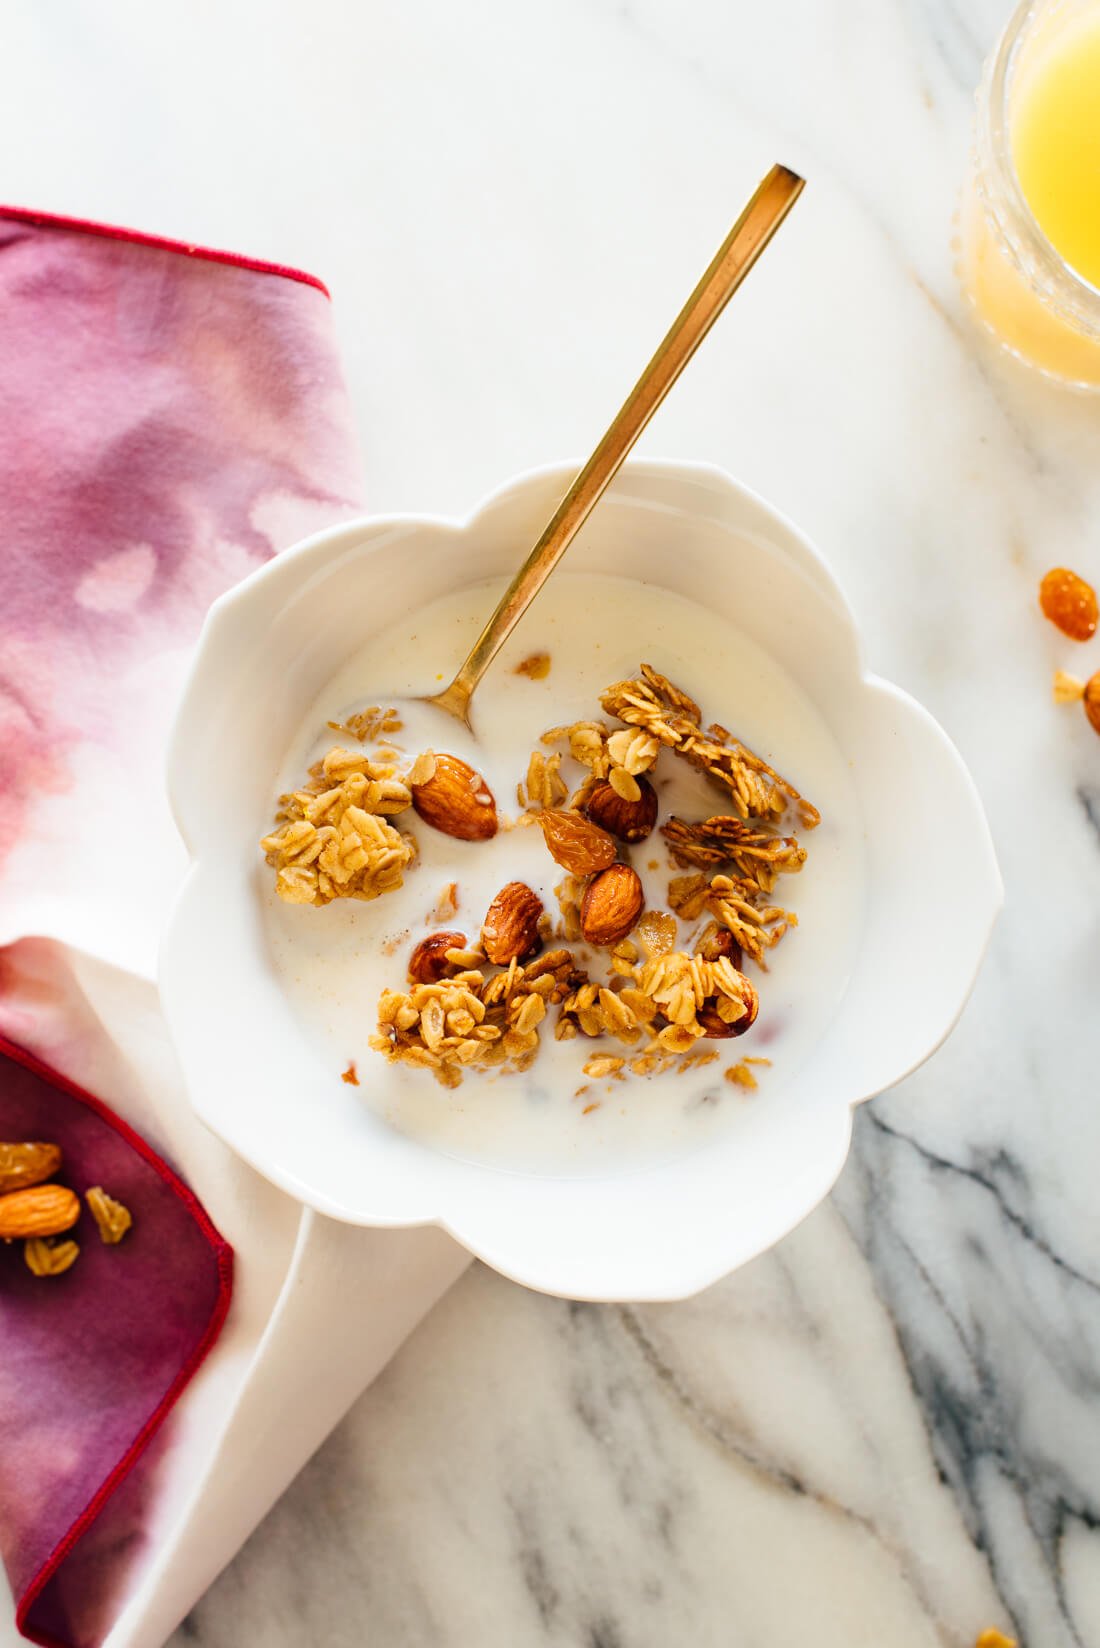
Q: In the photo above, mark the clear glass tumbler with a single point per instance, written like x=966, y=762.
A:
x=1021, y=289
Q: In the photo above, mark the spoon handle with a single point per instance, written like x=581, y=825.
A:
x=753, y=230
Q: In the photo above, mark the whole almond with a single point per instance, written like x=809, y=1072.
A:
x=575, y=843
x=511, y=929
x=629, y=820
x=456, y=800
x=428, y=962
x=23, y=1165
x=44, y=1210
x=611, y=905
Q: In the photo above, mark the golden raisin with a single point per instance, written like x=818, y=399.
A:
x=1092, y=701
x=1069, y=603
x=575, y=843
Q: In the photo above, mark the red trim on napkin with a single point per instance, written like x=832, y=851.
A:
x=111, y=231
x=223, y=1258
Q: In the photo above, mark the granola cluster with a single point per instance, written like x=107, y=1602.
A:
x=757, y=854
x=334, y=839
x=471, y=1017
x=1069, y=690
x=620, y=756
x=738, y=905
x=45, y=1257
x=667, y=993
x=370, y=726
x=669, y=716
x=112, y=1218
x=663, y=1006
x=568, y=892
x=673, y=1000
x=660, y=1005
x=544, y=787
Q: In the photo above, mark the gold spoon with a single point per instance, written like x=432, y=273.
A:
x=731, y=263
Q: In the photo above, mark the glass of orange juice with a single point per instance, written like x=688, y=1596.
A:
x=1030, y=217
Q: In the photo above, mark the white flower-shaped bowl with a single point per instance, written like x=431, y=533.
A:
x=267, y=651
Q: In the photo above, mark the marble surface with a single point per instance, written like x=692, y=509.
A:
x=888, y=1429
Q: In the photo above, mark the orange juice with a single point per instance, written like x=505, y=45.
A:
x=1056, y=139
x=1031, y=219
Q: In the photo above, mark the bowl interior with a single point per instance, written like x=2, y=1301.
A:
x=254, y=1074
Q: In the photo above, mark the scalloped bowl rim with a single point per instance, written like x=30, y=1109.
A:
x=687, y=1275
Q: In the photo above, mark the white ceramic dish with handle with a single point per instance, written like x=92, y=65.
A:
x=255, y=1078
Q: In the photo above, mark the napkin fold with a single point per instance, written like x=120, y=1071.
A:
x=169, y=418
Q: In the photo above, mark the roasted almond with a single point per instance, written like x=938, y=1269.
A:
x=456, y=800
x=511, y=928
x=44, y=1210
x=575, y=843
x=428, y=962
x=629, y=820
x=612, y=903
x=23, y=1165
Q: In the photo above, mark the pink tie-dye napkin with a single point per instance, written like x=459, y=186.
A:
x=169, y=418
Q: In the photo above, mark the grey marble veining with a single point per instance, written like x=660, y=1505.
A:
x=888, y=1429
